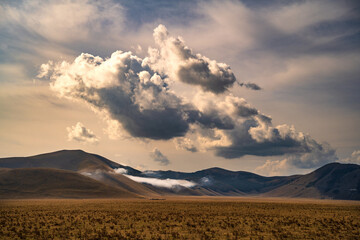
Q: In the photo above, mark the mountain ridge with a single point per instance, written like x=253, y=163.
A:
x=334, y=180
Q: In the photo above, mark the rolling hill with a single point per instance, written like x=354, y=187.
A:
x=54, y=183
x=77, y=174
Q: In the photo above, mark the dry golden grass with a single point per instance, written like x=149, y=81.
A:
x=188, y=218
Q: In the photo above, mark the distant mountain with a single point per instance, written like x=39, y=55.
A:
x=54, y=183
x=334, y=180
x=225, y=182
x=77, y=174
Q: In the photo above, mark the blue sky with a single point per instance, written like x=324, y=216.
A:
x=189, y=107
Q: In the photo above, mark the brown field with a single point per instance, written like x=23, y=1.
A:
x=179, y=218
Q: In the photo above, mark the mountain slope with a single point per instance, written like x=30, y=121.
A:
x=53, y=183
x=74, y=160
x=90, y=165
x=118, y=180
x=334, y=180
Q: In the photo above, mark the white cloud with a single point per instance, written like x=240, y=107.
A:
x=175, y=59
x=164, y=183
x=120, y=170
x=81, y=134
x=118, y=88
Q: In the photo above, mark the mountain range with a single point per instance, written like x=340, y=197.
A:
x=78, y=174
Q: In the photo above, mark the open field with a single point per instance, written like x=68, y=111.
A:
x=179, y=218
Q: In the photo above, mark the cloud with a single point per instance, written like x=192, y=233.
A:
x=354, y=158
x=120, y=170
x=254, y=134
x=252, y=86
x=319, y=155
x=185, y=144
x=81, y=134
x=34, y=31
x=257, y=136
x=64, y=21
x=177, y=60
x=315, y=155
x=206, y=181
x=139, y=96
x=292, y=18
x=273, y=168
x=164, y=183
x=157, y=156
x=121, y=88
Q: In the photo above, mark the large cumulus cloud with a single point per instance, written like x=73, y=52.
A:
x=254, y=134
x=135, y=96
x=138, y=95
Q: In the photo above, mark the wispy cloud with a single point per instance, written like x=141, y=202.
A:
x=56, y=29
x=164, y=183
x=157, y=182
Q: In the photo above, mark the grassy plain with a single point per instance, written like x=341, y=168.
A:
x=179, y=218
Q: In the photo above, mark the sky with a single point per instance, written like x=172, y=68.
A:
x=270, y=87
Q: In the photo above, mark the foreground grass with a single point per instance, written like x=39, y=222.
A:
x=177, y=219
